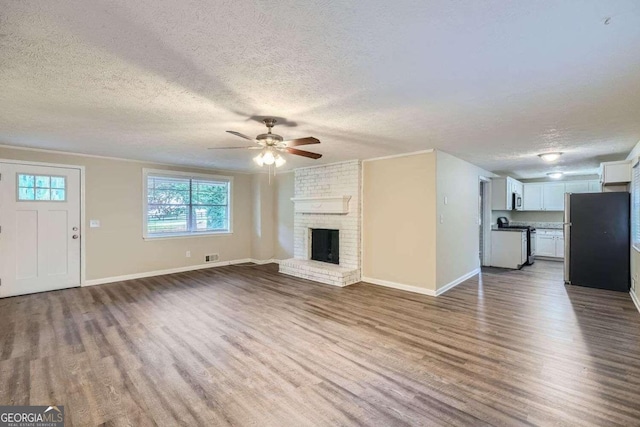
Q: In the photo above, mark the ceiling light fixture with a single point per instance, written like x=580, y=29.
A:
x=555, y=175
x=550, y=157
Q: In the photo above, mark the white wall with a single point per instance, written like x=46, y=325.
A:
x=457, y=224
x=535, y=216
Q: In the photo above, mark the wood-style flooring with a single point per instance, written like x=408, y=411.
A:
x=245, y=345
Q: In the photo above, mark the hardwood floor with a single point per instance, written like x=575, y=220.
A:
x=244, y=345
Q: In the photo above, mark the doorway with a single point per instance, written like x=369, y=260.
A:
x=40, y=218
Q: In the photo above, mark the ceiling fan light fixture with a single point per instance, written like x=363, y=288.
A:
x=259, y=159
x=280, y=161
x=268, y=158
x=550, y=157
x=555, y=175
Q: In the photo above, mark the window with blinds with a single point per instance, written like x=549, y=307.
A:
x=177, y=204
x=635, y=207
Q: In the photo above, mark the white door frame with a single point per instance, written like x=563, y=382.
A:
x=83, y=257
x=486, y=225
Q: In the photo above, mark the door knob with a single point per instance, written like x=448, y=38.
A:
x=75, y=236
x=75, y=228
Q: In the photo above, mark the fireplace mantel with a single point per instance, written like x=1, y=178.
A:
x=322, y=205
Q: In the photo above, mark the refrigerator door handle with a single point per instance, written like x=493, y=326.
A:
x=566, y=226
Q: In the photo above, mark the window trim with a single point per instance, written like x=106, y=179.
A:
x=178, y=174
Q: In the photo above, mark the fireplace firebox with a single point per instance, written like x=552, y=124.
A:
x=325, y=245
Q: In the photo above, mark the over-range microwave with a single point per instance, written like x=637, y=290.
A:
x=516, y=202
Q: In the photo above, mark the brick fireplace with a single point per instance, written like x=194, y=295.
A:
x=327, y=198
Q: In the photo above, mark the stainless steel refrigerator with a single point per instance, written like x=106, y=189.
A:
x=597, y=240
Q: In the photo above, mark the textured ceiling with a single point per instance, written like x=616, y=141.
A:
x=492, y=82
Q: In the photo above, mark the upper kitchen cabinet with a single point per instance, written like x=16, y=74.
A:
x=576, y=187
x=533, y=196
x=549, y=196
x=590, y=186
x=553, y=196
x=615, y=173
x=502, y=190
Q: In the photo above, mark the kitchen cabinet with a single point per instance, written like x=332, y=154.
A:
x=615, y=173
x=532, y=196
x=553, y=196
x=545, y=246
x=508, y=248
x=559, y=247
x=576, y=187
x=517, y=187
x=550, y=243
x=549, y=196
x=502, y=190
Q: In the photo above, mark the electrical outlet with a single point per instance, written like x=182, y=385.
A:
x=188, y=254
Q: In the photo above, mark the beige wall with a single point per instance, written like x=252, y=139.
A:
x=399, y=221
x=283, y=242
x=263, y=212
x=457, y=221
x=114, y=196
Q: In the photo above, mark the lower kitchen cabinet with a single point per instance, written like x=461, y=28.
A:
x=508, y=248
x=546, y=246
x=550, y=243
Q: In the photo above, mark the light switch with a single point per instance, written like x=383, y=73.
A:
x=94, y=223
x=446, y=200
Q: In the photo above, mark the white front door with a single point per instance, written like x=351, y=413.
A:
x=40, y=234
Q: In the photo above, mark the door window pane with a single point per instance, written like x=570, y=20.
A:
x=43, y=181
x=43, y=194
x=58, y=195
x=41, y=188
x=58, y=182
x=26, y=194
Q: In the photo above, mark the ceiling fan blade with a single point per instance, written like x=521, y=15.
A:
x=302, y=153
x=240, y=135
x=301, y=141
x=251, y=147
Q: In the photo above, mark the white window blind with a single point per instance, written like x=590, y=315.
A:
x=635, y=207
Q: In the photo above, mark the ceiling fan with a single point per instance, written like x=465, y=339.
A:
x=272, y=145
